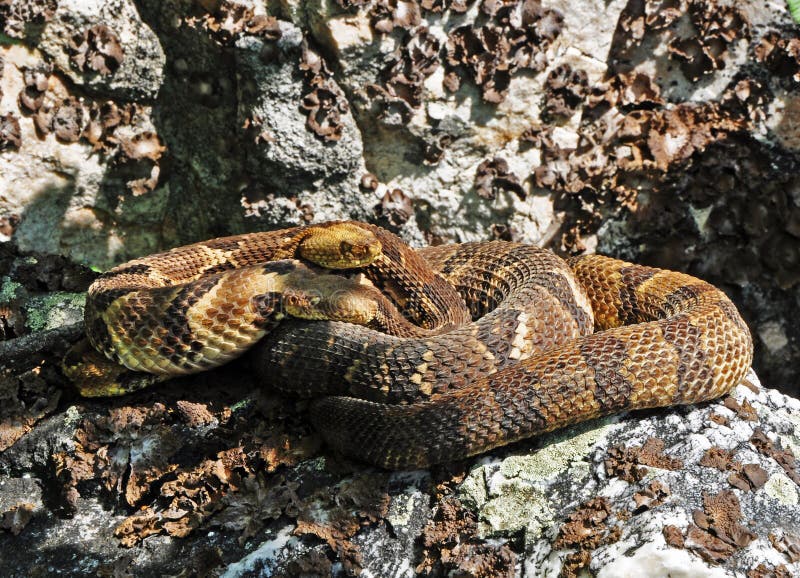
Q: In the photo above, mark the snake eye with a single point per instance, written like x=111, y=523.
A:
x=354, y=251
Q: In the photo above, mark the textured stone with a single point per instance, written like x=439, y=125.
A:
x=665, y=135
x=618, y=122
x=549, y=503
x=140, y=72
x=56, y=195
x=285, y=156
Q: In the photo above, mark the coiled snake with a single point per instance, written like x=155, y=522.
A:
x=510, y=341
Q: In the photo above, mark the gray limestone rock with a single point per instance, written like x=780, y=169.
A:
x=301, y=141
x=663, y=136
x=104, y=46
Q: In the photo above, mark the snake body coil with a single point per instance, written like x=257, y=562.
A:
x=506, y=350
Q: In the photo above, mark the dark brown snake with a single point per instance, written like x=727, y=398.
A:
x=528, y=363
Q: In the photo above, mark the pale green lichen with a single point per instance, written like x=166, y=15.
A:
x=54, y=310
x=782, y=489
x=473, y=492
x=9, y=290
x=242, y=404
x=72, y=416
x=506, y=496
x=401, y=510
x=318, y=464
x=564, y=449
x=518, y=506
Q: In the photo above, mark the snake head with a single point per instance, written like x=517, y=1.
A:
x=340, y=245
x=331, y=298
x=302, y=304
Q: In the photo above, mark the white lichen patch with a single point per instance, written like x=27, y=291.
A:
x=263, y=556
x=402, y=509
x=517, y=506
x=782, y=489
x=473, y=491
x=695, y=445
x=615, y=488
x=653, y=559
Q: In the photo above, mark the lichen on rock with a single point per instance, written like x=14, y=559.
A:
x=661, y=133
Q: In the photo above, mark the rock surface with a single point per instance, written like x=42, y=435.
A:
x=110, y=50
x=698, y=492
x=213, y=474
x=665, y=136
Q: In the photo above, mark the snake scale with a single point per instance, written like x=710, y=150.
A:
x=510, y=341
